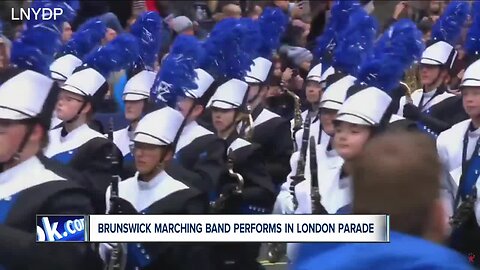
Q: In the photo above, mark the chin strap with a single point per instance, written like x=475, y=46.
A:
x=78, y=113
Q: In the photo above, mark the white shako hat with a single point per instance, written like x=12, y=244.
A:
x=315, y=74
x=471, y=76
x=204, y=80
x=229, y=95
x=138, y=87
x=366, y=107
x=439, y=54
x=323, y=79
x=23, y=96
x=259, y=70
x=159, y=127
x=335, y=94
x=63, y=67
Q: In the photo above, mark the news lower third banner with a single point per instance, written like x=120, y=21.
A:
x=214, y=228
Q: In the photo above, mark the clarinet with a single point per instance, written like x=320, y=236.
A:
x=315, y=197
x=219, y=204
x=118, y=255
x=464, y=210
x=277, y=250
x=300, y=173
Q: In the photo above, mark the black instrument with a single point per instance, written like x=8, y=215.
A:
x=317, y=207
x=300, y=173
x=118, y=255
x=277, y=250
x=464, y=210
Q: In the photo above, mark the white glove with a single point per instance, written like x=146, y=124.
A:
x=284, y=203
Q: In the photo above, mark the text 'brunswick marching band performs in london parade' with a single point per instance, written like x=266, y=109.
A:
x=255, y=109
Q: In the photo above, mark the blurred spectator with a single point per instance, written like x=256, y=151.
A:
x=425, y=25
x=398, y=166
x=318, y=14
x=111, y=21
x=255, y=12
x=279, y=101
x=4, y=52
x=297, y=58
x=9, y=26
x=181, y=25
x=232, y=11
x=138, y=7
x=89, y=9
x=67, y=32
x=435, y=9
x=109, y=36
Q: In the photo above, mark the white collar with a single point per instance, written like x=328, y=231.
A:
x=189, y=127
x=159, y=178
x=12, y=173
x=27, y=174
x=73, y=133
x=473, y=134
x=429, y=94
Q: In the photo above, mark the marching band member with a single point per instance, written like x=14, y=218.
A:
x=295, y=196
x=27, y=185
x=197, y=149
x=356, y=123
x=344, y=60
x=313, y=94
x=458, y=148
x=75, y=144
x=252, y=190
x=436, y=62
x=158, y=187
x=88, y=36
x=136, y=92
x=270, y=131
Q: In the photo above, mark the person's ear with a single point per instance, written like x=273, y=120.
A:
x=168, y=154
x=197, y=110
x=37, y=134
x=87, y=108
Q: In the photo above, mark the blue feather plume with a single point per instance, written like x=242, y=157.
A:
x=472, y=43
x=383, y=72
x=147, y=29
x=449, y=25
x=396, y=51
x=403, y=40
x=177, y=74
x=272, y=24
x=355, y=42
x=85, y=38
x=340, y=13
x=253, y=37
x=35, y=49
x=325, y=43
x=119, y=54
x=224, y=54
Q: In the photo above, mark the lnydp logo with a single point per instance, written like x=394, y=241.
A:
x=44, y=14
x=60, y=228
